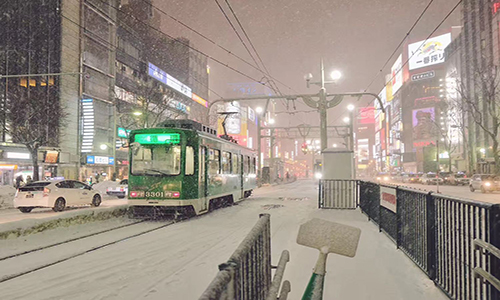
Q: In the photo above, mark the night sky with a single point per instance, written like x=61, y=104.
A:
x=291, y=36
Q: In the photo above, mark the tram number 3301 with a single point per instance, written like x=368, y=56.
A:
x=162, y=194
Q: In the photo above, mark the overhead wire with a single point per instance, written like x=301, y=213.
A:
x=213, y=42
x=116, y=48
x=272, y=84
x=183, y=43
x=400, y=43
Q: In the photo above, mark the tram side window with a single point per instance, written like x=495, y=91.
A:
x=214, y=162
x=226, y=162
x=189, y=160
x=253, y=165
x=249, y=165
x=245, y=164
x=236, y=164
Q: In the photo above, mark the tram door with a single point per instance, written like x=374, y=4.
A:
x=203, y=177
x=242, y=173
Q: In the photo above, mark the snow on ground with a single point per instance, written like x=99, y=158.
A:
x=14, y=215
x=42, y=239
x=179, y=261
x=7, y=193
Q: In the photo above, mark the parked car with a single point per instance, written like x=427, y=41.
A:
x=485, y=183
x=383, y=177
x=411, y=178
x=120, y=191
x=55, y=194
x=447, y=177
x=461, y=179
x=431, y=178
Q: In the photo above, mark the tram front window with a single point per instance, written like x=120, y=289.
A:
x=156, y=160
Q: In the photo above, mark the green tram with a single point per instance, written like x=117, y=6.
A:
x=181, y=166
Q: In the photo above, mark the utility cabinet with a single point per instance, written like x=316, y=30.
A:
x=338, y=163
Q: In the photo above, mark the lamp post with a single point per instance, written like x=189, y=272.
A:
x=322, y=104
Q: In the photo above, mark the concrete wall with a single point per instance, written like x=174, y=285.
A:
x=70, y=85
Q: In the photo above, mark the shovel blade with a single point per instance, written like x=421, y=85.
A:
x=329, y=237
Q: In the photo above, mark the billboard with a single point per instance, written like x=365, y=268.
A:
x=429, y=52
x=397, y=74
x=423, y=123
x=366, y=115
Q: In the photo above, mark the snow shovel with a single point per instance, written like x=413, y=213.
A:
x=327, y=237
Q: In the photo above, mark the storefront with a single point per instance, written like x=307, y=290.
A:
x=97, y=168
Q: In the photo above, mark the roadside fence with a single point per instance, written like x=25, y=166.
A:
x=454, y=241
x=247, y=273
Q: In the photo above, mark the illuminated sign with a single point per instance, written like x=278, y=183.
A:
x=429, y=52
x=397, y=74
x=422, y=76
x=200, y=100
x=18, y=155
x=251, y=114
x=87, y=125
x=157, y=138
x=100, y=160
x=169, y=80
x=51, y=157
x=122, y=132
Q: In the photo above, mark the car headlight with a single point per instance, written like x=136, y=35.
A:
x=487, y=183
x=378, y=178
x=386, y=178
x=318, y=175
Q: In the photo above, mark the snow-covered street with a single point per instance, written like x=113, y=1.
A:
x=180, y=260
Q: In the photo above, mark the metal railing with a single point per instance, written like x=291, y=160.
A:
x=437, y=232
x=338, y=194
x=247, y=273
x=488, y=249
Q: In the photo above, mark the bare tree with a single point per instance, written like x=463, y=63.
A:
x=33, y=116
x=155, y=105
x=482, y=102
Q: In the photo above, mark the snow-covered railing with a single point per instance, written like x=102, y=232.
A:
x=437, y=233
x=247, y=273
x=488, y=249
x=338, y=194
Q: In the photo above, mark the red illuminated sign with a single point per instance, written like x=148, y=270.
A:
x=366, y=115
x=496, y=7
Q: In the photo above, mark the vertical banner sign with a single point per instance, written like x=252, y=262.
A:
x=388, y=198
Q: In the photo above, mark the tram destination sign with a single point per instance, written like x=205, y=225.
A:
x=157, y=138
x=423, y=76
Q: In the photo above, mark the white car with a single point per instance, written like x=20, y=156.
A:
x=120, y=191
x=55, y=194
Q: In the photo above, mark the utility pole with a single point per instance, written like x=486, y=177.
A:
x=335, y=99
x=322, y=110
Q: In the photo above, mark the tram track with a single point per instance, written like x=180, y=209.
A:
x=13, y=275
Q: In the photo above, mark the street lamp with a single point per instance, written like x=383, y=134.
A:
x=336, y=75
x=322, y=104
x=259, y=110
x=347, y=119
x=271, y=121
x=350, y=107
x=334, y=145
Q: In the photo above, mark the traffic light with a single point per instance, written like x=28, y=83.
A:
x=304, y=148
